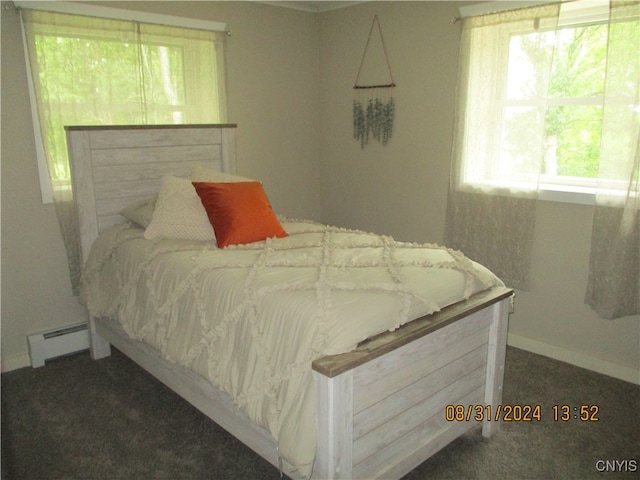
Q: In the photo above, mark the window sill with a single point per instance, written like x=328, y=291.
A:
x=581, y=196
x=547, y=191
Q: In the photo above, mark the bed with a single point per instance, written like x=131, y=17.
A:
x=379, y=406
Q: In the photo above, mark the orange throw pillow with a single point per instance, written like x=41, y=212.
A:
x=239, y=212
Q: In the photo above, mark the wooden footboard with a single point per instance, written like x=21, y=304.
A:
x=380, y=409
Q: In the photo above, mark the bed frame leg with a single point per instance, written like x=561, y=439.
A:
x=99, y=347
x=495, y=363
x=334, y=417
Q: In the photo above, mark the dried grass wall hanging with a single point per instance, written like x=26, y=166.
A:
x=373, y=105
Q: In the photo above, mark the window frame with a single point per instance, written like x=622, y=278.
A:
x=94, y=11
x=581, y=190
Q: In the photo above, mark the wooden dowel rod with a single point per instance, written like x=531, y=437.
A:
x=358, y=87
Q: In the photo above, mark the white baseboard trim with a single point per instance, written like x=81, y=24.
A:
x=621, y=372
x=15, y=362
x=575, y=358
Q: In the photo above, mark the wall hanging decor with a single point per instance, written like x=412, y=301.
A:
x=373, y=104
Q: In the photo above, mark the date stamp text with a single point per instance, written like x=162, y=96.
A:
x=520, y=413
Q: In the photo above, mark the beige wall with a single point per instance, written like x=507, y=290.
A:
x=290, y=75
x=36, y=292
x=401, y=189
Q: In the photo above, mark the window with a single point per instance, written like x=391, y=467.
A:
x=96, y=71
x=549, y=108
x=535, y=103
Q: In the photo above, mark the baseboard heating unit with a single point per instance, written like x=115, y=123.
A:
x=57, y=343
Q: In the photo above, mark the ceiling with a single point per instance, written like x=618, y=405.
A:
x=316, y=6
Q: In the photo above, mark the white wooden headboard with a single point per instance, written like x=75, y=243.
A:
x=114, y=166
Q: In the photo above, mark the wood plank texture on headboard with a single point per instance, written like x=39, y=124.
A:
x=114, y=166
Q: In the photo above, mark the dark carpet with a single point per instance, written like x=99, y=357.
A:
x=77, y=418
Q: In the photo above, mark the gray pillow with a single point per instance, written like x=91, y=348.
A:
x=140, y=212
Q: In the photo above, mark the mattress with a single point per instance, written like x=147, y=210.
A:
x=252, y=318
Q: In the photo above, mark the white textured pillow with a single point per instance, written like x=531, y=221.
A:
x=179, y=213
x=204, y=174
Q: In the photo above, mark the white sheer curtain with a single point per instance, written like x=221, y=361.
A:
x=613, y=289
x=94, y=71
x=499, y=139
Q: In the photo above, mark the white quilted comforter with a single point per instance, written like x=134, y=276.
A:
x=252, y=318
